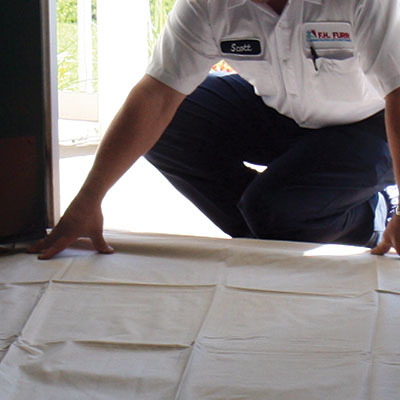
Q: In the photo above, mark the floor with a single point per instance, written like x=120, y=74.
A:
x=141, y=201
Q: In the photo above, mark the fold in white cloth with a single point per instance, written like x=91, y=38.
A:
x=170, y=317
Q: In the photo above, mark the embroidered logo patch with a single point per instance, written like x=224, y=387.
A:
x=241, y=47
x=325, y=35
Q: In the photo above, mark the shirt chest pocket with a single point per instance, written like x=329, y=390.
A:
x=336, y=77
x=332, y=65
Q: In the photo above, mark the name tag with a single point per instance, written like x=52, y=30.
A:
x=243, y=47
x=328, y=35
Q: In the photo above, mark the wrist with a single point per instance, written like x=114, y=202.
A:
x=87, y=199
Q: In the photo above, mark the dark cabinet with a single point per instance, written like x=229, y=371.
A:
x=23, y=113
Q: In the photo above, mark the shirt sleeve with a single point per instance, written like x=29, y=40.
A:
x=377, y=31
x=186, y=50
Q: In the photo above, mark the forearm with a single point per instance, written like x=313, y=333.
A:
x=392, y=115
x=391, y=237
x=135, y=129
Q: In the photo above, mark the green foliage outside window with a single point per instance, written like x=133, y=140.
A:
x=67, y=45
x=159, y=10
x=67, y=11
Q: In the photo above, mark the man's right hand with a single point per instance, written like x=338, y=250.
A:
x=138, y=125
x=80, y=220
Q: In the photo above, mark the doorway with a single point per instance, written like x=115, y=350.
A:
x=91, y=88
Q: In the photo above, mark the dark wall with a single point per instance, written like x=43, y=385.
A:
x=22, y=122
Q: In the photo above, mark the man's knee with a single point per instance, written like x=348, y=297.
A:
x=287, y=214
x=268, y=216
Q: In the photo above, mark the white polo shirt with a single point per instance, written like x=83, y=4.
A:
x=321, y=63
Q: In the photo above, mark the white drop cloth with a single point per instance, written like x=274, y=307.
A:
x=185, y=318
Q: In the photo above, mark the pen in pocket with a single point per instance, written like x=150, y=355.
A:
x=314, y=56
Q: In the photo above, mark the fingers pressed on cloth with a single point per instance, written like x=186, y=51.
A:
x=382, y=248
x=101, y=245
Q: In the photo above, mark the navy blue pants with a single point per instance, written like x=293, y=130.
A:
x=320, y=185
